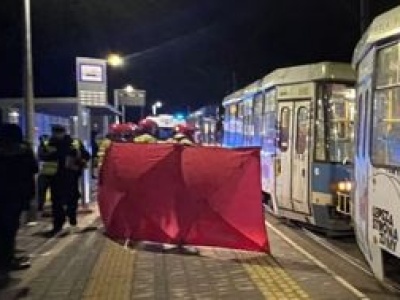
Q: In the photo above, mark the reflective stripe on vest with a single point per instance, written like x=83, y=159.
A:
x=49, y=168
x=76, y=144
x=145, y=138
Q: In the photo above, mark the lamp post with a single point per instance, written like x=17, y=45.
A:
x=117, y=104
x=115, y=61
x=28, y=72
x=128, y=90
x=156, y=105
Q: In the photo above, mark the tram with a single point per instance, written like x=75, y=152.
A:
x=206, y=121
x=302, y=118
x=377, y=152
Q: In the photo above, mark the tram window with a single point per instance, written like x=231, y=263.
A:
x=269, y=122
x=232, y=111
x=388, y=71
x=339, y=111
x=366, y=121
x=240, y=116
x=248, y=117
x=302, y=130
x=320, y=145
x=270, y=131
x=360, y=104
x=386, y=117
x=284, y=129
x=258, y=105
x=386, y=129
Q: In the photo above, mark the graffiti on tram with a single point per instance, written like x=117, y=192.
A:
x=383, y=222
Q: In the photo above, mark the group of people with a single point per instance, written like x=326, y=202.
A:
x=147, y=131
x=62, y=161
x=59, y=162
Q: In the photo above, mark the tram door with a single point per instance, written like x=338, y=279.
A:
x=284, y=160
x=300, y=157
x=292, y=179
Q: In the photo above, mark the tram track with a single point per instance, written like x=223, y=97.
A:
x=361, y=265
x=338, y=256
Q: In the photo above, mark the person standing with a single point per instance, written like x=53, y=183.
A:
x=147, y=132
x=45, y=175
x=66, y=158
x=184, y=134
x=18, y=167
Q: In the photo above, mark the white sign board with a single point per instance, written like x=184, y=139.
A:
x=91, y=73
x=91, y=81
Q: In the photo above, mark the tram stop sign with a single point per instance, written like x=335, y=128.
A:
x=131, y=98
x=91, y=81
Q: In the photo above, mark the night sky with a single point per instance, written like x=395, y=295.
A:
x=186, y=53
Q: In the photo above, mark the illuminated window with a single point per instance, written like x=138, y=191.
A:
x=302, y=130
x=284, y=129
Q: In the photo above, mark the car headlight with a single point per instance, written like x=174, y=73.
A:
x=344, y=186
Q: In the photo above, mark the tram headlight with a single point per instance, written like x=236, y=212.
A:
x=344, y=186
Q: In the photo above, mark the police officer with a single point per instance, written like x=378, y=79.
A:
x=44, y=178
x=64, y=159
x=147, y=132
x=17, y=169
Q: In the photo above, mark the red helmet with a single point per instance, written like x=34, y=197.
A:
x=113, y=129
x=147, y=124
x=185, y=129
x=122, y=128
x=130, y=127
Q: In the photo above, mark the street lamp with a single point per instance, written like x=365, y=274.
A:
x=115, y=60
x=156, y=105
x=129, y=89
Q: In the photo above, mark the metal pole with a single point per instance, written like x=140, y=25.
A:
x=29, y=107
x=123, y=114
x=116, y=105
x=29, y=96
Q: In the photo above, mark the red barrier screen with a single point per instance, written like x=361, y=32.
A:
x=191, y=195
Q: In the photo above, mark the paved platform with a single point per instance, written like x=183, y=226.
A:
x=88, y=265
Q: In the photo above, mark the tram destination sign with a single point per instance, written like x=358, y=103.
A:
x=91, y=81
x=295, y=91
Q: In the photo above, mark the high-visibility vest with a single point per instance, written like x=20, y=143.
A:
x=182, y=139
x=104, y=145
x=186, y=142
x=50, y=168
x=145, y=138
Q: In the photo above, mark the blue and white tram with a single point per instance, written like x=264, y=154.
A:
x=302, y=118
x=377, y=152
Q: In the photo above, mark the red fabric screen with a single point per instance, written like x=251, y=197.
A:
x=192, y=195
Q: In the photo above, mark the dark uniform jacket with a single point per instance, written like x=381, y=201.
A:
x=17, y=169
x=70, y=155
